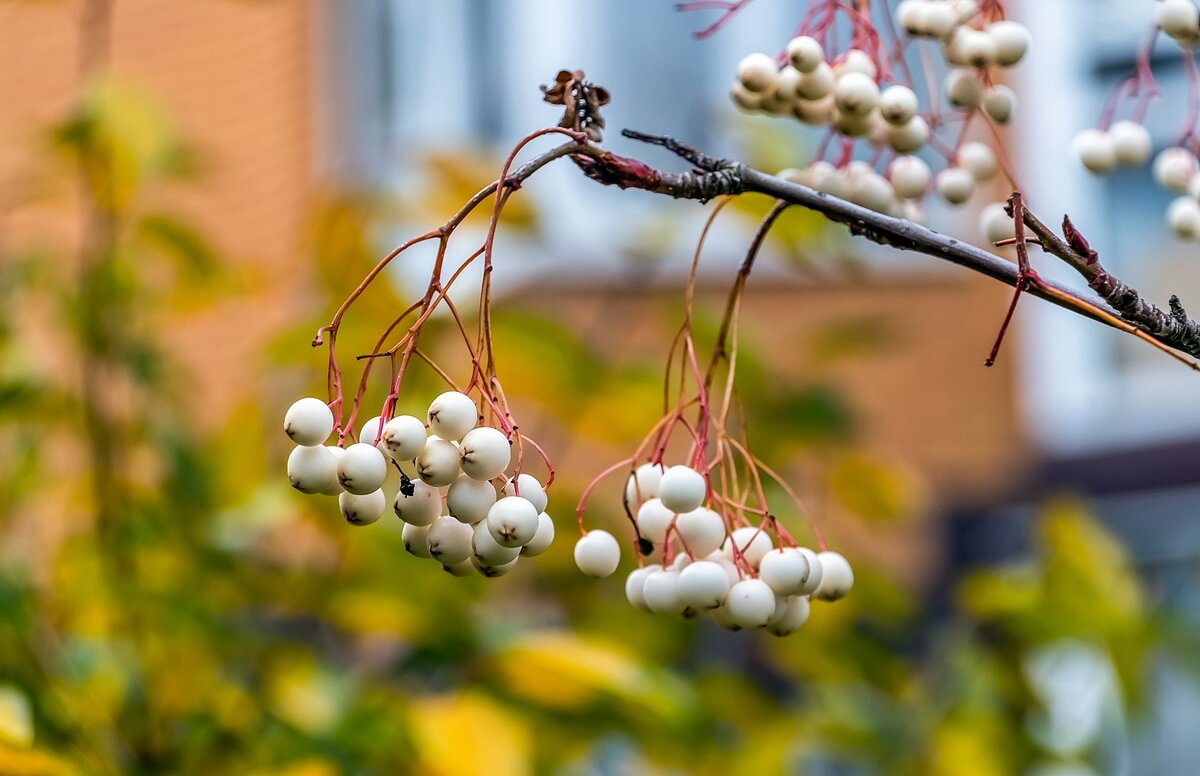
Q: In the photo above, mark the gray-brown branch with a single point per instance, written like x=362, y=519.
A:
x=716, y=177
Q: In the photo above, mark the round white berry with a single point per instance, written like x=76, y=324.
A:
x=856, y=94
x=469, y=500
x=857, y=61
x=752, y=545
x=652, y=521
x=308, y=422
x=635, y=585
x=826, y=178
x=702, y=531
x=703, y=585
x=722, y=617
x=910, y=137
x=785, y=89
x=682, y=489
x=965, y=10
x=421, y=505
x=597, y=553
x=643, y=483
x=940, y=20
x=1178, y=18
x=362, y=510
x=452, y=415
x=312, y=469
x=404, y=437
x=912, y=15
x=493, y=570
x=1174, y=169
x=814, y=112
x=851, y=125
x=817, y=84
x=543, y=537
x=995, y=223
x=362, y=469
x=439, y=463
x=1011, y=40
x=974, y=48
x=485, y=453
x=785, y=570
x=1183, y=216
x=1095, y=149
x=746, y=100
x=793, y=617
x=910, y=176
x=751, y=603
x=450, y=540
x=836, y=579
x=815, y=571
x=513, y=521
x=369, y=433
x=416, y=540
x=756, y=72
x=488, y=550
x=805, y=53
x=963, y=88
x=873, y=191
x=660, y=591
x=335, y=487
x=1131, y=142
x=527, y=487
x=898, y=104
x=1000, y=103
x=979, y=160
x=955, y=185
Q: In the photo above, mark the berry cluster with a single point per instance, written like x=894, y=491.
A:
x=867, y=93
x=742, y=576
x=447, y=497
x=1127, y=143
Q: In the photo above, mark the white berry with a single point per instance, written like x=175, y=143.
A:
x=910, y=137
x=756, y=72
x=464, y=568
x=1178, y=18
x=1000, y=103
x=682, y=489
x=955, y=185
x=898, y=104
x=543, y=537
x=815, y=571
x=404, y=437
x=485, y=453
x=1011, y=40
x=702, y=531
x=1095, y=149
x=912, y=16
x=873, y=191
x=528, y=488
x=703, y=585
x=995, y=223
x=653, y=519
x=335, y=487
x=452, y=415
x=785, y=570
x=643, y=483
x=597, y=553
x=940, y=20
x=1183, y=216
x=362, y=469
x=836, y=579
x=745, y=99
x=493, y=570
x=1131, y=142
x=308, y=422
x=979, y=160
x=805, y=53
x=857, y=61
x=751, y=603
x=488, y=550
x=752, y=545
x=856, y=94
x=660, y=590
x=963, y=88
x=794, y=615
x=817, y=84
x=450, y=540
x=362, y=510
x=312, y=469
x=469, y=500
x=439, y=463
x=513, y=521
x=910, y=176
x=422, y=507
x=635, y=585
x=416, y=540
x=1174, y=169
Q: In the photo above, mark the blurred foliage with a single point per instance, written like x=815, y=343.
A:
x=168, y=605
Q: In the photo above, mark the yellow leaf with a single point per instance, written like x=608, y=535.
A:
x=469, y=735
x=874, y=489
x=16, y=718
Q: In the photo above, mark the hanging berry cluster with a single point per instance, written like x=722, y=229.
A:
x=866, y=96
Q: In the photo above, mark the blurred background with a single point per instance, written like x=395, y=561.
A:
x=188, y=190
